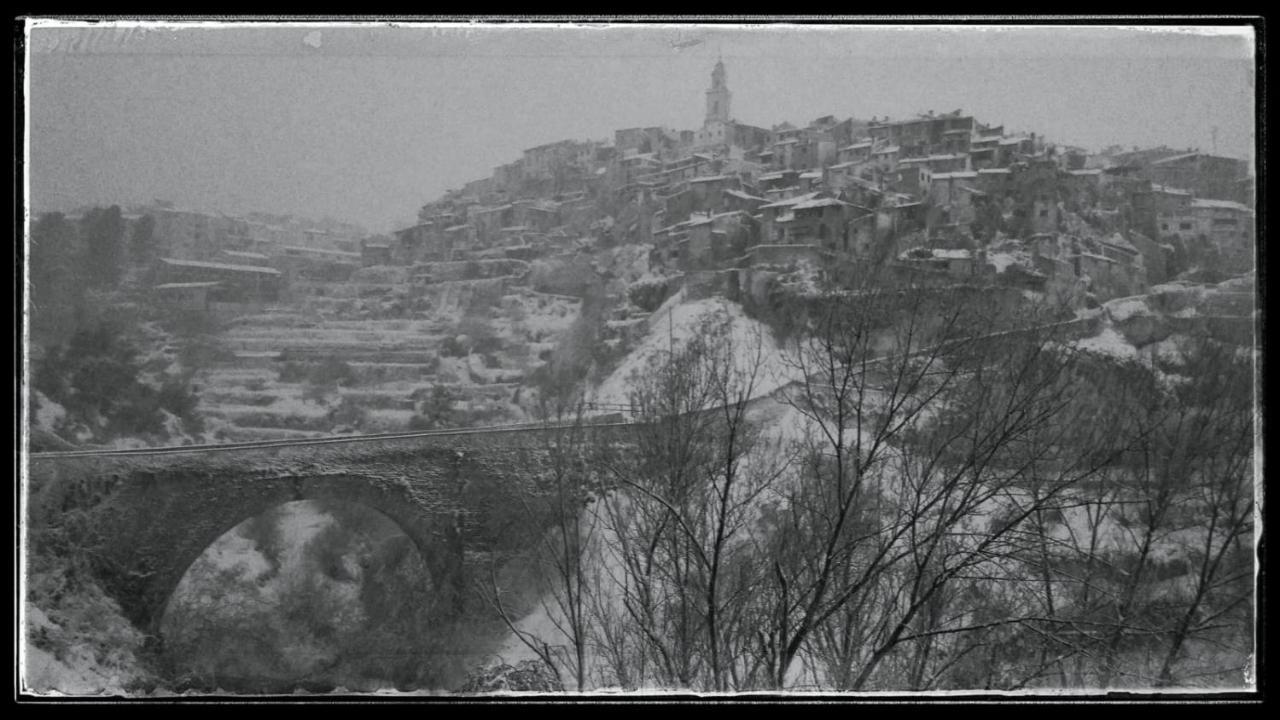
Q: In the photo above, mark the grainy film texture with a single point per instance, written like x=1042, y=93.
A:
x=469, y=359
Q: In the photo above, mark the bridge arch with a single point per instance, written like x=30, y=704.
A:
x=154, y=535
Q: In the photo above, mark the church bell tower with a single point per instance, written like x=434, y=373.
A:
x=718, y=96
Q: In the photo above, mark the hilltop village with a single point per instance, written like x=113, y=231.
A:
x=559, y=258
x=940, y=195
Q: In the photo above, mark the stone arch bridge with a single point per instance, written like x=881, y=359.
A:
x=145, y=516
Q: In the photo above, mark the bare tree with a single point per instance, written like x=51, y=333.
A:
x=682, y=520
x=1211, y=433
x=1140, y=554
x=561, y=528
x=926, y=430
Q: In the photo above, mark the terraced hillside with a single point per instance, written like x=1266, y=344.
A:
x=382, y=353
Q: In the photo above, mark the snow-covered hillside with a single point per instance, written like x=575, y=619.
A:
x=675, y=322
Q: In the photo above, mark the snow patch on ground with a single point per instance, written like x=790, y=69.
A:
x=76, y=673
x=1001, y=261
x=674, y=324
x=1125, y=308
x=1169, y=349
x=1109, y=342
x=49, y=413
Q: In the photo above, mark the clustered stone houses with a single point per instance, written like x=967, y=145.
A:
x=940, y=195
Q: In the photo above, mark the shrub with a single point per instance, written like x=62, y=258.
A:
x=177, y=398
x=96, y=378
x=292, y=372
x=529, y=675
x=330, y=372
x=349, y=413
x=487, y=344
x=333, y=371
x=434, y=408
x=649, y=294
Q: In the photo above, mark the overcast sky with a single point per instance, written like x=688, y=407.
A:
x=367, y=122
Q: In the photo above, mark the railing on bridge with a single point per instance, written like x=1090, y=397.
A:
x=612, y=420
x=620, y=408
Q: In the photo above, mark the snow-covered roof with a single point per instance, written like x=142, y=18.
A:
x=1220, y=204
x=1175, y=158
x=1094, y=171
x=744, y=196
x=1011, y=141
x=959, y=175
x=886, y=150
x=187, y=285
x=1096, y=256
x=1164, y=189
x=935, y=254
x=813, y=175
x=219, y=266
x=788, y=202
x=463, y=226
x=1118, y=241
x=320, y=251
x=856, y=146
x=818, y=203
x=865, y=184
x=245, y=255
x=994, y=171
x=1002, y=260
x=708, y=178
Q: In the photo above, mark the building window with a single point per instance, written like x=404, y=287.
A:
x=1184, y=226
